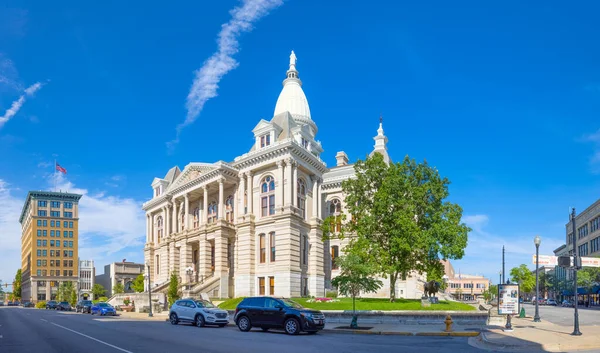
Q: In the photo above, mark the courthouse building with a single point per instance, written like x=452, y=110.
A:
x=251, y=226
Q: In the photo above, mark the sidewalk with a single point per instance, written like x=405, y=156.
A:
x=373, y=329
x=529, y=336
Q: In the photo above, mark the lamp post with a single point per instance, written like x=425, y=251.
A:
x=149, y=289
x=500, y=277
x=576, y=331
x=537, y=241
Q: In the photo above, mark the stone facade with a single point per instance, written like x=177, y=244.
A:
x=119, y=272
x=588, y=232
x=252, y=226
x=86, y=281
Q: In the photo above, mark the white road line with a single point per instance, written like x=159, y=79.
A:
x=92, y=338
x=44, y=320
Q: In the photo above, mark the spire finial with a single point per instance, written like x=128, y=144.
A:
x=380, y=119
x=292, y=60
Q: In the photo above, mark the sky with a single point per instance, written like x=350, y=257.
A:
x=502, y=97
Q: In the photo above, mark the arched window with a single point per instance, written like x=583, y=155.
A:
x=229, y=208
x=335, y=210
x=159, y=227
x=212, y=212
x=267, y=190
x=302, y=197
x=196, y=217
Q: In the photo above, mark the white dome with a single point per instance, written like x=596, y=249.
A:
x=292, y=99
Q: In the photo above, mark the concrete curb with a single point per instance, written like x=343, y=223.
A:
x=549, y=347
x=404, y=333
x=449, y=334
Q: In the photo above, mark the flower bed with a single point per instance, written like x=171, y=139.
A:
x=322, y=300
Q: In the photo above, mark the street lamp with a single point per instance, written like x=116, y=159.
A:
x=149, y=289
x=537, y=241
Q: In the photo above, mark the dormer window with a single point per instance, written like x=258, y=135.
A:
x=157, y=191
x=265, y=140
x=305, y=143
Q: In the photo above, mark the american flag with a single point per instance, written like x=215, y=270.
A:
x=61, y=169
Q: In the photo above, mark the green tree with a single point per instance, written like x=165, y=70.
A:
x=98, y=290
x=17, y=285
x=66, y=293
x=173, y=292
x=355, y=276
x=437, y=274
x=138, y=284
x=523, y=276
x=118, y=288
x=401, y=212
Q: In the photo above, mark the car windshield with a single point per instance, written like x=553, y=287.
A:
x=104, y=305
x=64, y=303
x=205, y=304
x=52, y=302
x=291, y=304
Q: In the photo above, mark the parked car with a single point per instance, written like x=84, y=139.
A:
x=1, y=303
x=52, y=304
x=197, y=312
x=28, y=305
x=277, y=313
x=84, y=306
x=567, y=303
x=63, y=306
x=102, y=309
x=551, y=302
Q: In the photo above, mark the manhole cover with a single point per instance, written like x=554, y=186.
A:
x=350, y=328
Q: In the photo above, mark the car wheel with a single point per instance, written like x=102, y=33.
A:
x=265, y=329
x=173, y=319
x=292, y=327
x=199, y=320
x=244, y=324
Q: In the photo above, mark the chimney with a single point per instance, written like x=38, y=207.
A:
x=341, y=158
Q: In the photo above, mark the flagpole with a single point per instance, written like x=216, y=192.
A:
x=55, y=175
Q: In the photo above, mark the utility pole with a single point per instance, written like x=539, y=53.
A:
x=503, y=277
x=576, y=331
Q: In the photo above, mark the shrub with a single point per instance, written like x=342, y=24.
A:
x=102, y=299
x=40, y=305
x=126, y=301
x=331, y=294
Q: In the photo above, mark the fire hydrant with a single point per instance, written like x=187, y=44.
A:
x=448, y=323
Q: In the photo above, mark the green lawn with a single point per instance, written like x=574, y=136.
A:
x=367, y=304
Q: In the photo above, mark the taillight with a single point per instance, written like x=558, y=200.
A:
x=236, y=310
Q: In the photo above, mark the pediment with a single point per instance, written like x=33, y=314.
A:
x=261, y=125
x=191, y=172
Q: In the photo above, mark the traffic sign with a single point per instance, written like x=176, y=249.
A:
x=548, y=260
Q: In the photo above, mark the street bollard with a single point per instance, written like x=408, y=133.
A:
x=522, y=313
x=448, y=323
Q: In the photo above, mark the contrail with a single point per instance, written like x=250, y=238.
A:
x=16, y=105
x=207, y=79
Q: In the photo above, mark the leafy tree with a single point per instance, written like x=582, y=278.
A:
x=118, y=288
x=17, y=285
x=98, y=290
x=524, y=277
x=355, y=276
x=138, y=284
x=66, y=293
x=437, y=274
x=173, y=292
x=400, y=212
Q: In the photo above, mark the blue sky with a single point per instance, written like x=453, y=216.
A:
x=503, y=99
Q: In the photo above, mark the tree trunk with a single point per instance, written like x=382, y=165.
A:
x=393, y=279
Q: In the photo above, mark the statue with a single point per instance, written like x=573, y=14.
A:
x=431, y=288
x=292, y=59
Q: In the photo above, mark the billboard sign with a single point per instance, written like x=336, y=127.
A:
x=508, y=299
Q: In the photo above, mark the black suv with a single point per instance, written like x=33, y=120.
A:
x=63, y=306
x=85, y=306
x=52, y=304
x=268, y=312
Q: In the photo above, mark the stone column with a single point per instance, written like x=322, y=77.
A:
x=204, y=258
x=186, y=220
x=242, y=193
x=154, y=235
x=250, y=192
x=221, y=200
x=185, y=260
x=205, y=209
x=236, y=203
x=289, y=166
x=295, y=186
x=280, y=193
x=174, y=215
x=148, y=229
x=164, y=217
x=315, y=196
x=167, y=222
x=221, y=265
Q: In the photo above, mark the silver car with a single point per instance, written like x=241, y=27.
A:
x=197, y=312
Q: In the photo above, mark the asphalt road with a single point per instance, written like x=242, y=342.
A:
x=34, y=330
x=564, y=316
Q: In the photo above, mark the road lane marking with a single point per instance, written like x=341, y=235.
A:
x=92, y=338
x=44, y=320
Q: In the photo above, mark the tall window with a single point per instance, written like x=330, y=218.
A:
x=212, y=212
x=272, y=243
x=304, y=249
x=335, y=253
x=261, y=286
x=157, y=264
x=267, y=191
x=272, y=285
x=159, y=226
x=263, y=249
x=302, y=197
x=265, y=140
x=196, y=217
x=229, y=208
x=335, y=210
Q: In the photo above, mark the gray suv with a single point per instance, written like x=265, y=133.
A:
x=197, y=312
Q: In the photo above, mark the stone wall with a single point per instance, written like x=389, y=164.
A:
x=140, y=300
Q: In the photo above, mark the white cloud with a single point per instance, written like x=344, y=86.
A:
x=44, y=165
x=10, y=232
x=483, y=254
x=8, y=74
x=16, y=105
x=207, y=79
